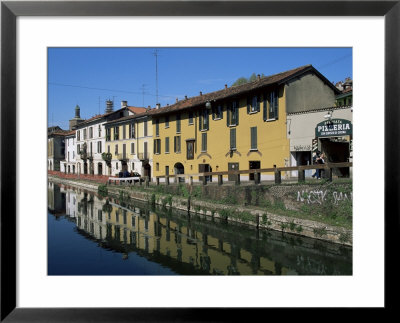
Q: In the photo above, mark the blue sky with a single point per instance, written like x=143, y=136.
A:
x=90, y=76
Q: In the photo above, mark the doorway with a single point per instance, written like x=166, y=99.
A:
x=232, y=166
x=179, y=169
x=205, y=168
x=255, y=164
x=337, y=152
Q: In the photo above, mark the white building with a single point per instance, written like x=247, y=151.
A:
x=90, y=139
x=326, y=130
x=68, y=165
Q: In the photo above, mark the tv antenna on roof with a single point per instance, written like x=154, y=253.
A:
x=155, y=53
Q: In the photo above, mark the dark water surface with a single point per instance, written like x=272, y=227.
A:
x=91, y=235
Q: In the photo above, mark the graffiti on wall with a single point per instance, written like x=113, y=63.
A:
x=321, y=196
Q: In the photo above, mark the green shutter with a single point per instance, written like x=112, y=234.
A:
x=248, y=105
x=237, y=113
x=276, y=105
x=258, y=102
x=228, y=112
x=265, y=108
x=253, y=135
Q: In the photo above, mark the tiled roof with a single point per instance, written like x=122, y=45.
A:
x=240, y=89
x=321, y=109
x=137, y=110
x=127, y=118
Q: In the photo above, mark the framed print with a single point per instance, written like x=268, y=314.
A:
x=32, y=31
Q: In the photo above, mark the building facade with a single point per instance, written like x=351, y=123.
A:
x=68, y=165
x=237, y=128
x=328, y=131
x=55, y=149
x=91, y=137
x=129, y=145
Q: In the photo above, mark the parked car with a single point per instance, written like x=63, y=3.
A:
x=136, y=177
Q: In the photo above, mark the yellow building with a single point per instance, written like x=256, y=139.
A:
x=237, y=128
x=129, y=145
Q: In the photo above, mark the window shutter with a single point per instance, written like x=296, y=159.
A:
x=258, y=102
x=237, y=113
x=248, y=104
x=207, y=120
x=265, y=107
x=200, y=121
x=253, y=134
x=276, y=105
x=228, y=115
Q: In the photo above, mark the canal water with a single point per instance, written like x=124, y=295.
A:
x=93, y=235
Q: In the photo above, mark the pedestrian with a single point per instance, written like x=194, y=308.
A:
x=314, y=161
x=320, y=161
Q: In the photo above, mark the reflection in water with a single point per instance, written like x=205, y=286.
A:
x=187, y=244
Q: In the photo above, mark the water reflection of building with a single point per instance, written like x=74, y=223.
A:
x=55, y=199
x=189, y=246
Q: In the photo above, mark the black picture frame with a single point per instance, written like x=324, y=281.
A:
x=10, y=10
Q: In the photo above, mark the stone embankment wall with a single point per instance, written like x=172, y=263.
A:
x=263, y=206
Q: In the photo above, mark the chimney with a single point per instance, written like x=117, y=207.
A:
x=185, y=97
x=201, y=93
x=226, y=86
x=158, y=105
x=176, y=100
x=258, y=77
x=124, y=104
x=109, y=106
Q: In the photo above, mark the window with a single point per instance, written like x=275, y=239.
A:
x=90, y=132
x=99, y=131
x=204, y=142
x=232, y=144
x=123, y=132
x=253, y=104
x=78, y=150
x=217, y=112
x=73, y=154
x=116, y=149
x=177, y=144
x=99, y=146
x=68, y=156
x=132, y=148
x=157, y=127
x=132, y=130
x=116, y=165
x=232, y=118
x=167, y=122
x=270, y=111
x=167, y=145
x=108, y=134
x=108, y=148
x=145, y=128
x=203, y=124
x=84, y=134
x=116, y=133
x=190, y=149
x=253, y=135
x=178, y=124
x=190, y=117
x=78, y=135
x=157, y=167
x=166, y=170
x=157, y=146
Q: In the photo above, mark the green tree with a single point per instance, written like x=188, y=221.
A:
x=244, y=80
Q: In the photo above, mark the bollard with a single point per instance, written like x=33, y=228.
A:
x=166, y=180
x=219, y=179
x=191, y=180
x=301, y=175
x=237, y=179
x=257, y=177
x=157, y=181
x=278, y=178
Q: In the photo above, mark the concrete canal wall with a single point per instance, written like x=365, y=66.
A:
x=276, y=207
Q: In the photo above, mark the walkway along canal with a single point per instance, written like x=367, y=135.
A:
x=115, y=234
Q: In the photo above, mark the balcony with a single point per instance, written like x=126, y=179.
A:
x=86, y=155
x=143, y=156
x=121, y=156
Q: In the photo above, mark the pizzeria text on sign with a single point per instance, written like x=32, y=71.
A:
x=334, y=127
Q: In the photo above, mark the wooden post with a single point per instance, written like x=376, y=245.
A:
x=204, y=180
x=257, y=177
x=157, y=181
x=278, y=178
x=190, y=180
x=147, y=181
x=166, y=180
x=329, y=174
x=237, y=179
x=301, y=175
x=220, y=180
